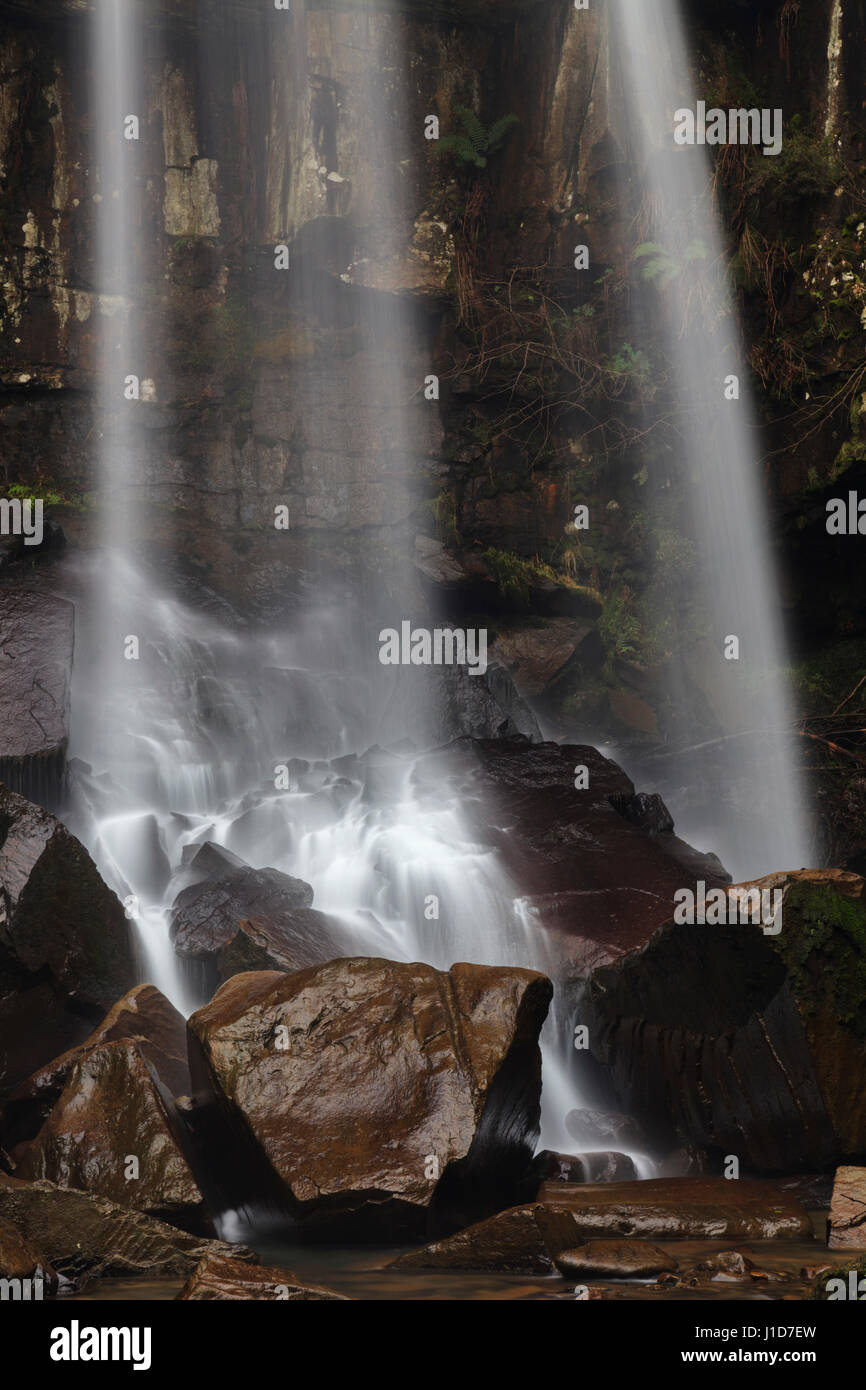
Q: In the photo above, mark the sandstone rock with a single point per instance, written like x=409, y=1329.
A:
x=19, y=1259
x=36, y=641
x=529, y=1238
x=219, y=1277
x=380, y=1092
x=65, y=948
x=144, y=1015
x=109, y=1111
x=86, y=1235
x=848, y=1210
x=767, y=1064
x=614, y=1259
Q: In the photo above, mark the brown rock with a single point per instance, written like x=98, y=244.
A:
x=529, y=1238
x=144, y=1015
x=366, y=1083
x=614, y=1259
x=522, y=1239
x=86, y=1235
x=690, y=1208
x=220, y=1277
x=848, y=1210
x=109, y=1113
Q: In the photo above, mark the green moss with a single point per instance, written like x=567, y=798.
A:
x=823, y=944
x=842, y=1272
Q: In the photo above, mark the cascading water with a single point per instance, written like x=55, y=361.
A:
x=750, y=807
x=179, y=746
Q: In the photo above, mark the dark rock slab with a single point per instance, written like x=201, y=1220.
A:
x=380, y=1093
x=216, y=1277
x=85, y=1235
x=36, y=644
x=766, y=1065
x=66, y=953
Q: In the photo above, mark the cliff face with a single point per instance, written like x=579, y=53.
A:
x=262, y=128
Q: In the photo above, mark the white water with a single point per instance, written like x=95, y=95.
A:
x=756, y=821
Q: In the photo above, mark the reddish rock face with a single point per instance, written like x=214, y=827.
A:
x=379, y=1091
x=595, y=879
x=216, y=1277
x=65, y=948
x=848, y=1210
x=111, y=1134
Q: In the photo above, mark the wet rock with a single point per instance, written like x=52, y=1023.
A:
x=597, y=884
x=731, y=1265
x=109, y=1116
x=597, y=1126
x=250, y=919
x=590, y=1167
x=210, y=861
x=381, y=1094
x=86, y=1235
x=537, y=655
x=521, y=1240
x=19, y=1259
x=691, y=1207
x=65, y=949
x=848, y=1210
x=768, y=1063
x=841, y=1283
x=614, y=1259
x=143, y=1015
x=36, y=641
x=217, y=1277
x=529, y=1238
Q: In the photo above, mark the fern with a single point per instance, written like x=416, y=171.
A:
x=475, y=143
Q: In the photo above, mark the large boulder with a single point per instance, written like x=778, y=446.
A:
x=111, y=1133
x=768, y=1064
x=36, y=642
x=83, y=1235
x=595, y=877
x=66, y=952
x=530, y=1238
x=217, y=1278
x=381, y=1094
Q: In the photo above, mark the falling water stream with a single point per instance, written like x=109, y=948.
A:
x=179, y=746
x=752, y=811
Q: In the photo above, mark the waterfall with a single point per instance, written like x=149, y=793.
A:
x=734, y=787
x=178, y=745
